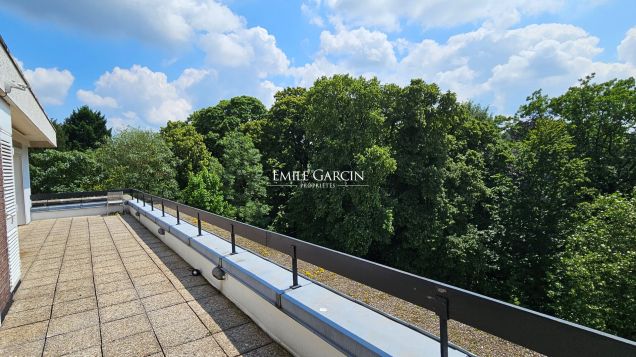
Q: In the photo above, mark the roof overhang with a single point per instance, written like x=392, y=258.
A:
x=27, y=114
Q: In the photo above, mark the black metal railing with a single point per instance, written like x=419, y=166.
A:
x=53, y=199
x=530, y=329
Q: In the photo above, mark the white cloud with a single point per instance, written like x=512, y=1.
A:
x=94, y=100
x=239, y=58
x=310, y=11
x=50, y=85
x=359, y=47
x=492, y=65
x=388, y=14
x=627, y=47
x=252, y=48
x=306, y=75
x=268, y=89
x=213, y=27
x=190, y=76
x=163, y=22
x=147, y=96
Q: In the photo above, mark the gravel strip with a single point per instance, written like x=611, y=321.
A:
x=475, y=341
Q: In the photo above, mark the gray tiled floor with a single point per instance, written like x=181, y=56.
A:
x=96, y=286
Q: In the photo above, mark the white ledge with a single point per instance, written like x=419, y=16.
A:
x=309, y=320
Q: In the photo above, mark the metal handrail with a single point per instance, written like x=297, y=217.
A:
x=530, y=329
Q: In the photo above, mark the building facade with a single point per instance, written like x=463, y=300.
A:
x=23, y=125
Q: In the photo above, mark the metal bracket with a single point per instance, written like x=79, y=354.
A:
x=441, y=308
x=279, y=300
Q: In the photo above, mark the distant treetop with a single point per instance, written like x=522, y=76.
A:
x=85, y=129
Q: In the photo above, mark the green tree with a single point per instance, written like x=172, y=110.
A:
x=421, y=151
x=601, y=119
x=85, y=129
x=282, y=143
x=342, y=128
x=63, y=171
x=139, y=159
x=60, y=135
x=595, y=283
x=227, y=116
x=188, y=147
x=473, y=184
x=205, y=190
x=548, y=181
x=436, y=185
x=243, y=179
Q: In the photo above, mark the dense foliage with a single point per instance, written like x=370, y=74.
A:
x=227, y=116
x=140, y=159
x=84, y=129
x=537, y=209
x=63, y=171
x=244, y=183
x=342, y=127
x=205, y=190
x=596, y=275
x=188, y=147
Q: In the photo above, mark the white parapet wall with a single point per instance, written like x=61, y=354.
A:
x=308, y=320
x=74, y=210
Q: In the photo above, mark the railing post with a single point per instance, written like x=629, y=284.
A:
x=442, y=313
x=178, y=218
x=143, y=199
x=163, y=212
x=443, y=337
x=199, y=222
x=233, y=238
x=152, y=203
x=294, y=268
x=137, y=198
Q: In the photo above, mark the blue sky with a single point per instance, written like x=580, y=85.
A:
x=145, y=62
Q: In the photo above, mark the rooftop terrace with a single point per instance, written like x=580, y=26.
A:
x=105, y=285
x=99, y=284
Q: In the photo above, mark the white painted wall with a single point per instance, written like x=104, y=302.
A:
x=26, y=184
x=5, y=116
x=17, y=180
x=22, y=181
x=296, y=338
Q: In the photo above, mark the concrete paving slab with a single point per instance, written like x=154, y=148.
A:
x=77, y=297
x=69, y=323
x=204, y=347
x=120, y=311
x=125, y=327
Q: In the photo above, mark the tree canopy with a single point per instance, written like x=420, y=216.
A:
x=536, y=208
x=188, y=147
x=243, y=179
x=227, y=116
x=140, y=159
x=64, y=171
x=342, y=130
x=205, y=190
x=85, y=129
x=595, y=283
